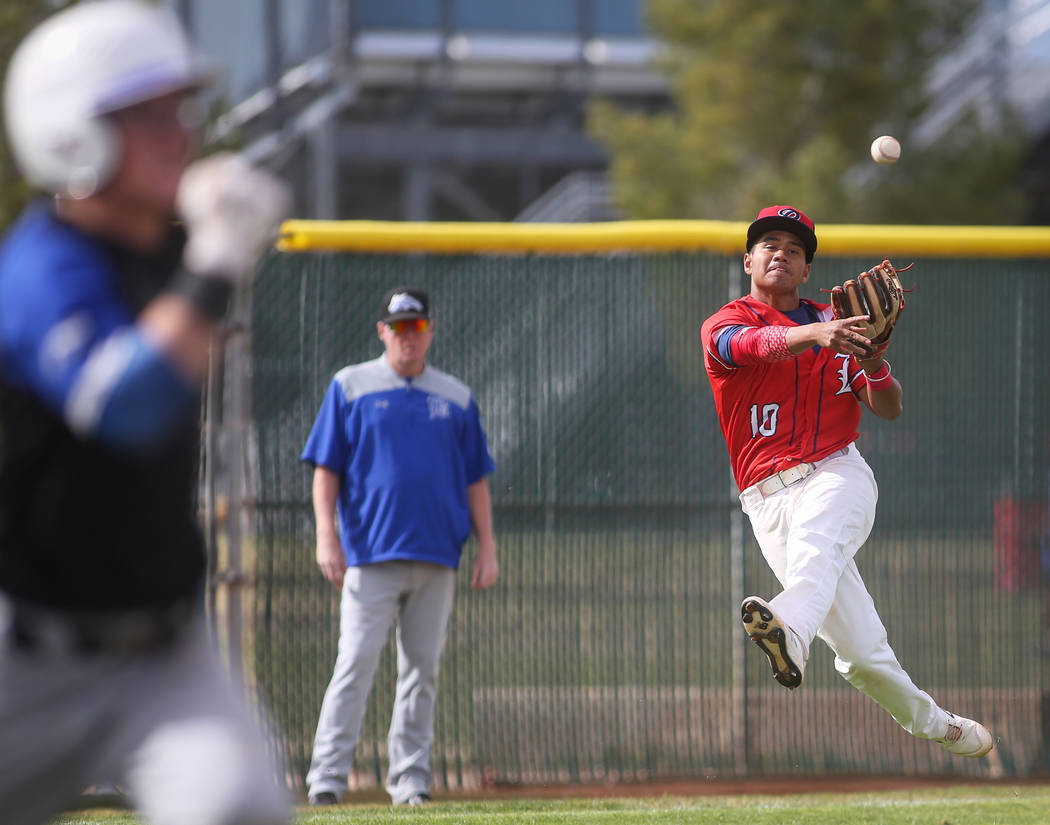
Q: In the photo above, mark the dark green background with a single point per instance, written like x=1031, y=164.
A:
x=607, y=648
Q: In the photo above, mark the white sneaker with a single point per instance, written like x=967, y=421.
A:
x=966, y=737
x=787, y=654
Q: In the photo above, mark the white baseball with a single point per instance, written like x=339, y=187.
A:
x=885, y=149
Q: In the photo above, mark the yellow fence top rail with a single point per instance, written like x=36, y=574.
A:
x=650, y=236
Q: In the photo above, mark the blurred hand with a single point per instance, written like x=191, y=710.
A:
x=232, y=212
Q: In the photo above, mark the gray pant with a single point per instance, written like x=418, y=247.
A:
x=167, y=725
x=419, y=597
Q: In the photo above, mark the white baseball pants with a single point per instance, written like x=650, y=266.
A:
x=419, y=597
x=809, y=533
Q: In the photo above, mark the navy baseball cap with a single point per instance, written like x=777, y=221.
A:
x=788, y=218
x=402, y=303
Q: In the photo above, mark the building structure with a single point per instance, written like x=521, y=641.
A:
x=425, y=109
x=475, y=110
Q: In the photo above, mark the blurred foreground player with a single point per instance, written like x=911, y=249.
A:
x=107, y=310
x=789, y=378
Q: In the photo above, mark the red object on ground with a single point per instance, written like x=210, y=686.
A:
x=1020, y=532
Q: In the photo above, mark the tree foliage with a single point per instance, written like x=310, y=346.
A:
x=778, y=102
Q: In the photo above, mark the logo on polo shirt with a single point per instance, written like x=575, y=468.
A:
x=438, y=407
x=403, y=302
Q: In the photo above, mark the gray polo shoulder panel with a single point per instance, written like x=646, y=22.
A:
x=447, y=386
x=367, y=378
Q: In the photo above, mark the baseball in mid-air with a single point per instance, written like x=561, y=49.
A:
x=885, y=149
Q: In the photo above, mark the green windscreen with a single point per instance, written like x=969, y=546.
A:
x=611, y=648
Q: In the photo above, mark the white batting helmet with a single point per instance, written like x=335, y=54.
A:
x=78, y=65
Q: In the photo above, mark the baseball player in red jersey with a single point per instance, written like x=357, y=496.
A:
x=788, y=382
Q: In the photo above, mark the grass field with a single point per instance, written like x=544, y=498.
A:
x=956, y=805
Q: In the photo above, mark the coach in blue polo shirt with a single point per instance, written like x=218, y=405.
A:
x=400, y=460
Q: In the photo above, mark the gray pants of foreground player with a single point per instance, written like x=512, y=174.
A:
x=419, y=597
x=167, y=725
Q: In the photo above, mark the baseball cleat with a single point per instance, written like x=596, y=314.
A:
x=787, y=654
x=966, y=737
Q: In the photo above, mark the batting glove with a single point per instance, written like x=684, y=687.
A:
x=232, y=212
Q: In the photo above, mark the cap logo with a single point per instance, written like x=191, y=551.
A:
x=787, y=212
x=403, y=302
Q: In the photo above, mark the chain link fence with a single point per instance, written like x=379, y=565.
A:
x=611, y=648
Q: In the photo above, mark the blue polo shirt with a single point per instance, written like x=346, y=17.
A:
x=405, y=451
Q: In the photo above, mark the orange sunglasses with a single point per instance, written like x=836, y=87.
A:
x=409, y=324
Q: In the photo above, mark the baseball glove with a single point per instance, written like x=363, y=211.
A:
x=878, y=294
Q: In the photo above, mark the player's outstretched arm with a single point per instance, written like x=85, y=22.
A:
x=741, y=345
x=231, y=211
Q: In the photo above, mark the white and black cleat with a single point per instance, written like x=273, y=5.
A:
x=787, y=655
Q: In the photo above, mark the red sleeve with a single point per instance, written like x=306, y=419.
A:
x=757, y=345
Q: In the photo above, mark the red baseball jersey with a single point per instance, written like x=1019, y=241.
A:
x=777, y=414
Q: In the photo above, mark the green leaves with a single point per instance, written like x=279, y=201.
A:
x=778, y=102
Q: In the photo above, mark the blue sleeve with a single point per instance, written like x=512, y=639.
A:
x=477, y=460
x=328, y=445
x=128, y=395
x=67, y=338
x=725, y=337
